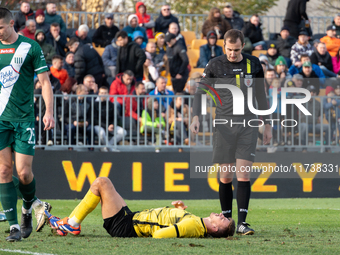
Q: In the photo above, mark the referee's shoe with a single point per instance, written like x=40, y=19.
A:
x=243, y=229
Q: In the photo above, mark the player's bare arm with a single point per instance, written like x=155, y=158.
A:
x=267, y=134
x=195, y=125
x=47, y=94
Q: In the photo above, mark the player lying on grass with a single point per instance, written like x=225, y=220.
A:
x=119, y=221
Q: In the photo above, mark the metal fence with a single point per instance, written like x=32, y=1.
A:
x=80, y=124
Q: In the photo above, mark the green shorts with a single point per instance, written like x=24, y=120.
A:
x=20, y=136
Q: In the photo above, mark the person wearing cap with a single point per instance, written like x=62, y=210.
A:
x=57, y=39
x=300, y=47
x=281, y=69
x=331, y=106
x=133, y=26
x=233, y=17
x=105, y=33
x=209, y=50
x=296, y=12
x=178, y=62
x=215, y=22
x=51, y=16
x=164, y=19
x=144, y=20
x=313, y=124
x=82, y=34
x=331, y=41
x=253, y=31
x=336, y=23
x=309, y=76
x=40, y=21
x=69, y=64
x=25, y=13
x=322, y=58
x=47, y=48
x=284, y=44
x=272, y=53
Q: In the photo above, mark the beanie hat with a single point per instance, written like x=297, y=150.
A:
x=131, y=17
x=39, y=12
x=329, y=89
x=280, y=61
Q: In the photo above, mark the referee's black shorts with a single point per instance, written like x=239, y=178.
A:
x=236, y=141
x=120, y=225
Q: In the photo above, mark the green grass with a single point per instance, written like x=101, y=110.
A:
x=294, y=226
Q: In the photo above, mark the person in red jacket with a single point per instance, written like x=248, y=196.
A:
x=29, y=30
x=137, y=102
x=144, y=20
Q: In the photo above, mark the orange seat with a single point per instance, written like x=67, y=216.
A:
x=193, y=56
x=257, y=53
x=100, y=50
x=189, y=36
x=197, y=43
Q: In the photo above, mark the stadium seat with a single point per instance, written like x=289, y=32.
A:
x=199, y=70
x=197, y=43
x=193, y=56
x=257, y=53
x=318, y=36
x=220, y=42
x=152, y=40
x=100, y=50
x=189, y=36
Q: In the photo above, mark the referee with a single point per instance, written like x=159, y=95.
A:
x=234, y=143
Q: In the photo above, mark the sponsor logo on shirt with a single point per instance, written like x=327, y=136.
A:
x=237, y=70
x=7, y=51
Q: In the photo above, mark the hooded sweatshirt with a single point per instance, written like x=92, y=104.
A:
x=47, y=48
x=145, y=19
x=129, y=30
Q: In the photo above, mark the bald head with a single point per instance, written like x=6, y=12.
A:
x=151, y=47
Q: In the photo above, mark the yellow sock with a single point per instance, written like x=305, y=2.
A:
x=87, y=205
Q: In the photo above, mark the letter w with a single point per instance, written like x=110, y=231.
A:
x=86, y=170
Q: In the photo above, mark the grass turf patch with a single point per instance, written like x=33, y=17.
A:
x=297, y=226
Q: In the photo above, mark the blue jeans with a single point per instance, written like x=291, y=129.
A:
x=304, y=127
x=327, y=72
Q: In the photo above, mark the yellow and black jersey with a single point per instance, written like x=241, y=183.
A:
x=167, y=223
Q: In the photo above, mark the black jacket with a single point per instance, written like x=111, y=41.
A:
x=70, y=69
x=44, y=27
x=296, y=9
x=84, y=41
x=178, y=59
x=59, y=45
x=103, y=114
x=87, y=61
x=70, y=117
x=284, y=46
x=253, y=33
x=312, y=80
x=324, y=60
x=162, y=23
x=20, y=19
x=236, y=22
x=134, y=61
x=104, y=35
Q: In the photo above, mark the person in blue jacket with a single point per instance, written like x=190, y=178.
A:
x=133, y=26
x=209, y=50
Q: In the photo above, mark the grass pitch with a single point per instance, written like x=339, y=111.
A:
x=294, y=226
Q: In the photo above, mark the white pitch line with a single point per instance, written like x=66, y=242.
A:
x=25, y=252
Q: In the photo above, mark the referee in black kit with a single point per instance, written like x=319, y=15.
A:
x=234, y=143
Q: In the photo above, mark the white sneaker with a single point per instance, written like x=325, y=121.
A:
x=40, y=214
x=49, y=143
x=104, y=149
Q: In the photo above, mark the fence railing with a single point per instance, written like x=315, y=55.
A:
x=93, y=122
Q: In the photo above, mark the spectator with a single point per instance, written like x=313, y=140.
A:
x=285, y=43
x=144, y=20
x=69, y=64
x=124, y=84
x=137, y=104
x=57, y=39
x=281, y=69
x=105, y=33
x=162, y=91
x=304, y=58
x=164, y=19
x=130, y=56
x=264, y=59
x=79, y=116
x=179, y=120
x=331, y=41
x=104, y=121
x=310, y=77
x=29, y=30
x=47, y=48
x=57, y=70
x=302, y=46
x=215, y=22
x=275, y=83
x=296, y=12
x=138, y=38
x=152, y=122
x=336, y=23
x=272, y=54
x=331, y=107
x=69, y=86
x=40, y=21
x=178, y=63
x=110, y=57
x=150, y=72
x=233, y=17
x=86, y=61
x=336, y=62
x=209, y=50
x=269, y=76
x=25, y=13
x=82, y=34
x=174, y=29
x=253, y=31
x=151, y=48
x=91, y=85
x=309, y=124
x=322, y=58
x=51, y=17
x=160, y=47
x=133, y=26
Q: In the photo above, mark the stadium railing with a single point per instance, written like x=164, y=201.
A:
x=284, y=138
